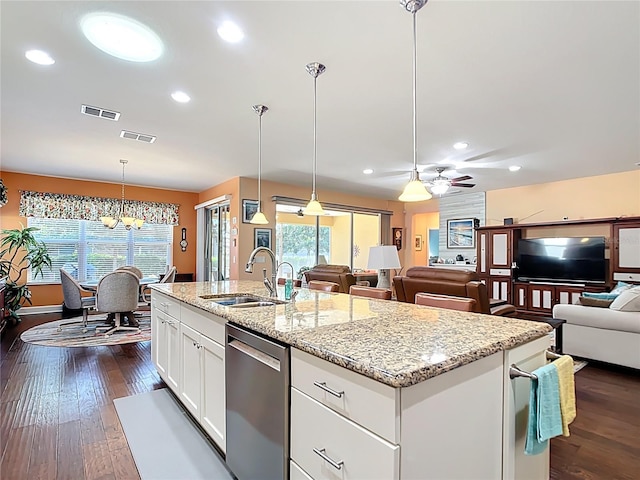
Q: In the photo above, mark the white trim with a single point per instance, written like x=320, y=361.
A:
x=213, y=201
x=40, y=309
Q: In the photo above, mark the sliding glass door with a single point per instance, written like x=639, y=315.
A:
x=217, y=251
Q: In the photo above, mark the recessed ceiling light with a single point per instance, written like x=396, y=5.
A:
x=230, y=32
x=39, y=57
x=514, y=168
x=460, y=145
x=122, y=37
x=367, y=171
x=180, y=97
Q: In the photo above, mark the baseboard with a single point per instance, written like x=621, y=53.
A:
x=40, y=309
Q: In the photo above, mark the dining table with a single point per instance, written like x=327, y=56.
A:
x=92, y=285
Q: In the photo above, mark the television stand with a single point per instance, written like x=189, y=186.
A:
x=539, y=298
x=562, y=284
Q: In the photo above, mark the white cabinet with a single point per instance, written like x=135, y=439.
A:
x=202, y=388
x=165, y=341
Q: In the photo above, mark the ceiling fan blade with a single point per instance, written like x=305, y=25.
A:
x=467, y=185
x=461, y=179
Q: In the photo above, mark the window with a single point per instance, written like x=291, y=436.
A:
x=88, y=250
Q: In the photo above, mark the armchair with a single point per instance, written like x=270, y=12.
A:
x=117, y=293
x=73, y=299
x=340, y=274
x=169, y=277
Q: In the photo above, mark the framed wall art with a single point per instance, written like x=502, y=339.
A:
x=262, y=237
x=397, y=237
x=417, y=242
x=460, y=233
x=249, y=208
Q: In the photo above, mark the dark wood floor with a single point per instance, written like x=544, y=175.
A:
x=57, y=418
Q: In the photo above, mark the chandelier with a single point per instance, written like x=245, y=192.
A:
x=128, y=222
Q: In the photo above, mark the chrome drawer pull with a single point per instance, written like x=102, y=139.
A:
x=324, y=387
x=333, y=463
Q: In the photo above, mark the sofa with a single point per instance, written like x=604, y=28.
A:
x=340, y=274
x=608, y=334
x=442, y=281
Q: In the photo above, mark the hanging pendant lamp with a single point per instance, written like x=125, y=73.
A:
x=314, y=207
x=259, y=218
x=414, y=191
x=128, y=222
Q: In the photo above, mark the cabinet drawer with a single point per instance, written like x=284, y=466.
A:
x=165, y=304
x=356, y=453
x=501, y=272
x=361, y=399
x=207, y=324
x=632, y=277
x=296, y=473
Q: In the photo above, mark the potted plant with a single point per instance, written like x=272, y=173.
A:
x=19, y=252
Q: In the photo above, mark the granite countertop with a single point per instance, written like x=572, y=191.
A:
x=396, y=343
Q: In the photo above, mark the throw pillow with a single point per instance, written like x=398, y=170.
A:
x=602, y=296
x=621, y=287
x=594, y=302
x=627, y=301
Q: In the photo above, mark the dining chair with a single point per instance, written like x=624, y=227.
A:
x=450, y=302
x=117, y=293
x=130, y=268
x=74, y=300
x=169, y=277
x=371, y=292
x=323, y=286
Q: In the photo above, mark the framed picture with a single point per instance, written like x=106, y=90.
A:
x=397, y=237
x=262, y=237
x=460, y=233
x=249, y=208
x=417, y=242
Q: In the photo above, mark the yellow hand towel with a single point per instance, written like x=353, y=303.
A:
x=564, y=365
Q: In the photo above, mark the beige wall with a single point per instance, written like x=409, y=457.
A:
x=613, y=195
x=420, y=225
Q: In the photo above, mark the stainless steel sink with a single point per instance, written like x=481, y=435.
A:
x=242, y=301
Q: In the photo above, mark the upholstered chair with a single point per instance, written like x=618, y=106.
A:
x=117, y=293
x=371, y=292
x=169, y=277
x=135, y=270
x=446, y=301
x=324, y=286
x=73, y=299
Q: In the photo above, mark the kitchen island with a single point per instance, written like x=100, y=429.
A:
x=382, y=389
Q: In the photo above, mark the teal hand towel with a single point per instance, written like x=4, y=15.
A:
x=549, y=414
x=544, y=420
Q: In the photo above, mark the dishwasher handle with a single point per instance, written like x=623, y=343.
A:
x=254, y=353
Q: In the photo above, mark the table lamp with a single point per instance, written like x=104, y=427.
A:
x=382, y=258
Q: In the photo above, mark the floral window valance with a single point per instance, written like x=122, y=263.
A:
x=59, y=205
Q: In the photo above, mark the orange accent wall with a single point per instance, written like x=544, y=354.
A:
x=51, y=294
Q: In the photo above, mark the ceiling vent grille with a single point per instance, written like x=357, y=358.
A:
x=141, y=137
x=100, y=112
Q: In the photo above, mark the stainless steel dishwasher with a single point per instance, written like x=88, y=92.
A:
x=257, y=383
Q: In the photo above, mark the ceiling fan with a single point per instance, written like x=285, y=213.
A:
x=440, y=184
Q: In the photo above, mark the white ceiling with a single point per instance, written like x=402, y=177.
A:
x=551, y=86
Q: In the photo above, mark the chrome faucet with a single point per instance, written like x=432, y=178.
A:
x=271, y=285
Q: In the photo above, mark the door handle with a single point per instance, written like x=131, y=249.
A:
x=323, y=386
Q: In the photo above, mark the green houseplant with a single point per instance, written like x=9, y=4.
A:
x=19, y=252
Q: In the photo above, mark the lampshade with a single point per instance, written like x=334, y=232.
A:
x=314, y=207
x=383, y=257
x=258, y=217
x=440, y=187
x=415, y=191
x=128, y=222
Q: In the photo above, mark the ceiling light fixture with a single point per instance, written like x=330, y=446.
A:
x=181, y=97
x=128, y=222
x=440, y=184
x=460, y=145
x=259, y=218
x=514, y=168
x=230, y=32
x=367, y=171
x=414, y=191
x=314, y=207
x=39, y=57
x=122, y=37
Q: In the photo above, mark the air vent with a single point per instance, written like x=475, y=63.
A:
x=141, y=137
x=100, y=112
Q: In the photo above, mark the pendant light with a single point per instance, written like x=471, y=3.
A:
x=128, y=222
x=259, y=218
x=414, y=191
x=314, y=207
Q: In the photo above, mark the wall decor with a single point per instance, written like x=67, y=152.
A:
x=249, y=209
x=417, y=242
x=397, y=237
x=183, y=242
x=262, y=237
x=460, y=233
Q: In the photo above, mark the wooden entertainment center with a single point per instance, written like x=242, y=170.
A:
x=497, y=253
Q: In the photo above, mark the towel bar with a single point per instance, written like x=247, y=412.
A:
x=515, y=372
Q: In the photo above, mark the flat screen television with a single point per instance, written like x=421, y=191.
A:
x=571, y=260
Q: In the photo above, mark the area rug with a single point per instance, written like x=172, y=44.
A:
x=48, y=335
x=164, y=441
